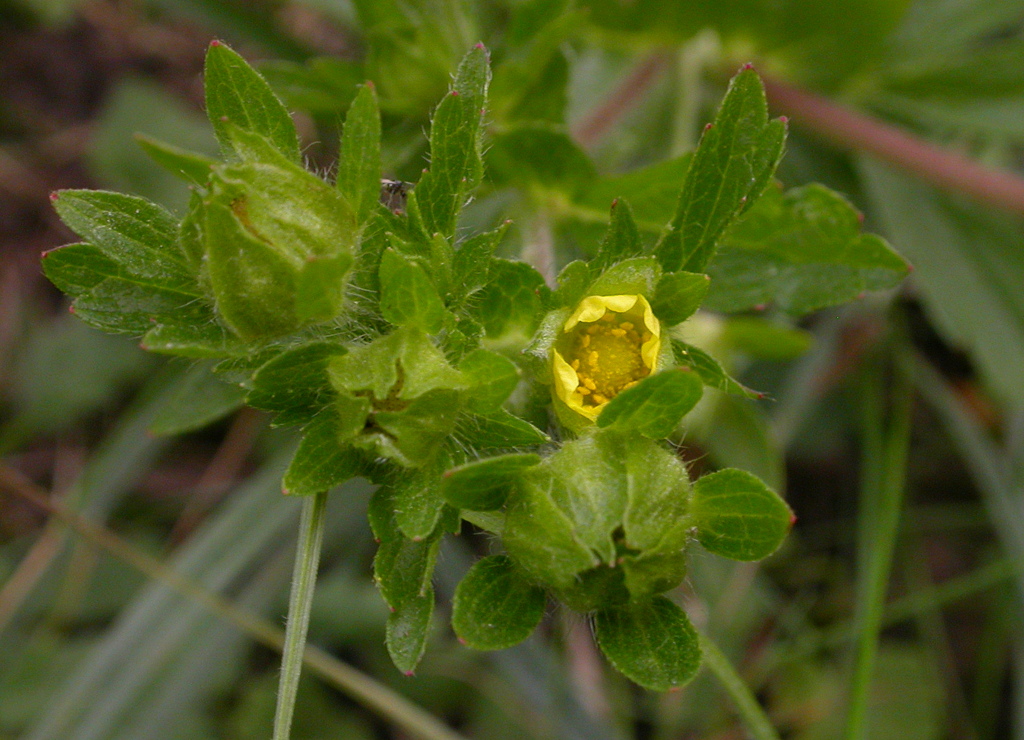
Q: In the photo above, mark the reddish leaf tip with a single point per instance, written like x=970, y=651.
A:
x=748, y=65
x=225, y=119
x=479, y=45
x=862, y=295
x=369, y=84
x=708, y=126
x=216, y=42
x=53, y=196
x=615, y=203
x=760, y=307
x=410, y=674
x=792, y=519
x=462, y=641
x=71, y=308
x=454, y=93
x=784, y=119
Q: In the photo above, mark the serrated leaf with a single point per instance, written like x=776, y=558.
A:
x=622, y=241
x=492, y=379
x=189, y=166
x=679, y=295
x=455, y=146
x=414, y=435
x=77, y=268
x=709, y=370
x=738, y=516
x=127, y=307
x=652, y=643
x=199, y=399
x=800, y=251
x=407, y=295
x=320, y=462
x=654, y=406
x=471, y=263
x=483, y=485
x=237, y=94
x=500, y=429
x=494, y=606
x=294, y=385
x=359, y=164
x=140, y=236
x=407, y=631
x=733, y=164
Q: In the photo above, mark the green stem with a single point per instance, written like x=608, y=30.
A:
x=881, y=502
x=307, y=559
x=750, y=711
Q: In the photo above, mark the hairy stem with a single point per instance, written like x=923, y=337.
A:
x=307, y=560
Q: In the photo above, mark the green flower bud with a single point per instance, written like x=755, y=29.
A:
x=604, y=520
x=279, y=244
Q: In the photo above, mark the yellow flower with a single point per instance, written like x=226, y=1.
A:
x=608, y=344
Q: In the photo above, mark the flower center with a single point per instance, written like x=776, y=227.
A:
x=606, y=355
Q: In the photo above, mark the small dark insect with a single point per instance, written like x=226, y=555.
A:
x=393, y=194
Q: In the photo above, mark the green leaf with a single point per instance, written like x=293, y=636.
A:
x=127, y=307
x=652, y=643
x=493, y=377
x=573, y=282
x=140, y=236
x=237, y=94
x=417, y=498
x=483, y=485
x=622, y=240
x=738, y=516
x=494, y=606
x=294, y=385
x=320, y=462
x=189, y=166
x=539, y=155
x=500, y=429
x=204, y=338
x=359, y=163
x=413, y=435
x=199, y=399
x=455, y=146
x=709, y=370
x=800, y=251
x=471, y=263
x=407, y=631
x=655, y=405
x=510, y=306
x=653, y=192
x=403, y=568
x=637, y=275
x=678, y=296
x=375, y=367
x=77, y=268
x=407, y=295
x=733, y=164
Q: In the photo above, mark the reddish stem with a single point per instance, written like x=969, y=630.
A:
x=853, y=130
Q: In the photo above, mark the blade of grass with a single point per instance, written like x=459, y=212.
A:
x=881, y=502
x=355, y=684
